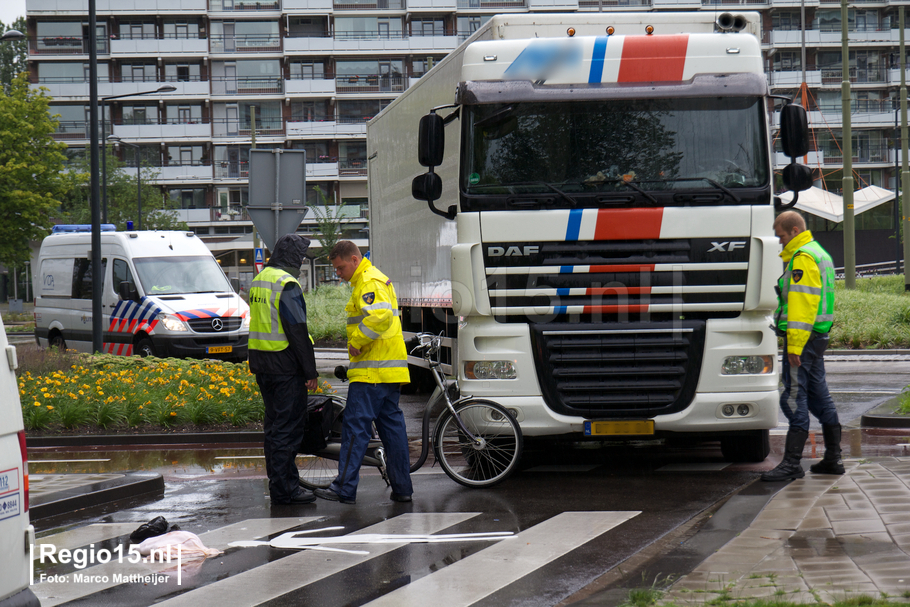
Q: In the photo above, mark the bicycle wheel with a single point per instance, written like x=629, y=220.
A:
x=317, y=471
x=486, y=458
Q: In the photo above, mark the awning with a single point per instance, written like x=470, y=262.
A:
x=830, y=206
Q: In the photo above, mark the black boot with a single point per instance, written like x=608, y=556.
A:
x=831, y=463
x=789, y=468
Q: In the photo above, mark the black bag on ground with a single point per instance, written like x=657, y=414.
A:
x=155, y=527
x=320, y=417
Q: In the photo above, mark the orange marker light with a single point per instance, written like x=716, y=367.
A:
x=610, y=30
x=571, y=31
x=649, y=29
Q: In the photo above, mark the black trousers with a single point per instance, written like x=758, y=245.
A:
x=285, y=399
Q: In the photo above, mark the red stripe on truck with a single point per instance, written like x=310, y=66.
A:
x=653, y=58
x=628, y=224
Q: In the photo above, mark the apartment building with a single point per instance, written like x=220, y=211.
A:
x=312, y=72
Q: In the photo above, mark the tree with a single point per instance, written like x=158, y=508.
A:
x=122, y=198
x=32, y=175
x=13, y=54
x=329, y=219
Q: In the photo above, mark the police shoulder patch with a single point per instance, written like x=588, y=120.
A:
x=797, y=275
x=369, y=298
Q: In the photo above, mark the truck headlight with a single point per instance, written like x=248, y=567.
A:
x=171, y=322
x=747, y=365
x=490, y=369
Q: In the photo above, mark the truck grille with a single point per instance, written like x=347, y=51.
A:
x=618, y=370
x=204, y=325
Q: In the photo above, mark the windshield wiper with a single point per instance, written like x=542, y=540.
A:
x=630, y=184
x=720, y=187
x=504, y=113
x=571, y=200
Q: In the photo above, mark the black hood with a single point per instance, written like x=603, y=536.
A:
x=289, y=253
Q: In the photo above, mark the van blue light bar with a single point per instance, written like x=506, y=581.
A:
x=81, y=227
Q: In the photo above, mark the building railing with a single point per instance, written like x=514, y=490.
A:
x=245, y=43
x=67, y=79
x=71, y=129
x=232, y=170
x=242, y=5
x=862, y=152
x=859, y=106
x=352, y=167
x=353, y=118
x=247, y=85
x=372, y=35
x=857, y=76
x=354, y=5
x=201, y=120
x=231, y=127
x=736, y=2
x=64, y=45
x=370, y=83
x=611, y=3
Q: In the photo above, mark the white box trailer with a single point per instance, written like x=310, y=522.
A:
x=601, y=248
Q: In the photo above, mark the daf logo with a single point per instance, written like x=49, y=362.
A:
x=217, y=324
x=513, y=251
x=727, y=247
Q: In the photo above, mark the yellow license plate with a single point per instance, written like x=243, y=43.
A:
x=218, y=349
x=619, y=428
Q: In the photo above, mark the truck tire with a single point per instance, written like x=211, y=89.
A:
x=144, y=348
x=753, y=447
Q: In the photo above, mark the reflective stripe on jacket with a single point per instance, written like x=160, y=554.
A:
x=266, y=332
x=374, y=328
x=806, y=301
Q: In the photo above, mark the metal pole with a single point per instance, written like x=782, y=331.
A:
x=897, y=183
x=905, y=170
x=139, y=186
x=97, y=273
x=802, y=56
x=253, y=146
x=277, y=206
x=849, y=225
x=103, y=164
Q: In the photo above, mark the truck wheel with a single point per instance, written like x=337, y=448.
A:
x=56, y=341
x=753, y=447
x=144, y=348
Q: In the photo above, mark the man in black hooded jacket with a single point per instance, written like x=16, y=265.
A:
x=281, y=356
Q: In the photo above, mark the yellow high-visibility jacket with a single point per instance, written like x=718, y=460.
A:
x=374, y=328
x=807, y=300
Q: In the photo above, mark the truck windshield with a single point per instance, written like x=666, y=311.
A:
x=172, y=275
x=617, y=152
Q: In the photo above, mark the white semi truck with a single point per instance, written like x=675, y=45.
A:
x=598, y=244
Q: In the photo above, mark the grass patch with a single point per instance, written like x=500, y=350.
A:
x=67, y=391
x=875, y=315
x=326, y=319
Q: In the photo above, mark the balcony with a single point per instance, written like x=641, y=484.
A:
x=58, y=8
x=793, y=78
x=370, y=83
x=195, y=215
x=322, y=170
x=493, y=4
x=430, y=44
x=863, y=153
x=232, y=170
x=308, y=44
x=156, y=47
x=835, y=76
x=64, y=45
x=242, y=6
x=247, y=85
x=312, y=128
x=815, y=158
x=352, y=167
x=431, y=5
x=175, y=130
x=735, y=2
x=71, y=129
x=623, y=4
x=232, y=127
x=251, y=43
x=369, y=5
x=201, y=171
x=310, y=86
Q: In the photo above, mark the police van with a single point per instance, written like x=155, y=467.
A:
x=163, y=294
x=16, y=532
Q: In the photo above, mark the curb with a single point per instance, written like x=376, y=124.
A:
x=131, y=440
x=885, y=421
x=132, y=485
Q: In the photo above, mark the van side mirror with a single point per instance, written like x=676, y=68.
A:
x=126, y=293
x=794, y=130
x=431, y=140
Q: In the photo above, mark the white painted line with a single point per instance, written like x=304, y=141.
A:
x=471, y=580
x=241, y=457
x=64, y=461
x=90, y=534
x=864, y=391
x=564, y=468
x=275, y=579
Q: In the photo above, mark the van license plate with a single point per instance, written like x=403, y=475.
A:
x=619, y=428
x=218, y=349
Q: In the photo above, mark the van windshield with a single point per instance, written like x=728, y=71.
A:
x=172, y=275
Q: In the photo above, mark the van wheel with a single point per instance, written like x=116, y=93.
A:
x=144, y=347
x=56, y=341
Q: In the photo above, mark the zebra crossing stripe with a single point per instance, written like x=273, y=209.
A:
x=469, y=580
x=52, y=594
x=292, y=572
x=90, y=534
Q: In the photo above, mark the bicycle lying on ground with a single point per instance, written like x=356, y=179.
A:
x=477, y=442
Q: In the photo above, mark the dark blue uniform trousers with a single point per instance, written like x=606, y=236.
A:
x=285, y=398
x=367, y=403
x=806, y=388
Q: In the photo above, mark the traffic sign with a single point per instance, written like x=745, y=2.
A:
x=277, y=192
x=258, y=260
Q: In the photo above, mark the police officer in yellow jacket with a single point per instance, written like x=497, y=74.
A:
x=804, y=316
x=281, y=356
x=377, y=369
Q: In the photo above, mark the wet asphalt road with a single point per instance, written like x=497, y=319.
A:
x=655, y=488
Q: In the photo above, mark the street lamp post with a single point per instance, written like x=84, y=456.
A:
x=116, y=139
x=168, y=88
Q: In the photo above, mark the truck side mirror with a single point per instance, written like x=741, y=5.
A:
x=427, y=186
x=431, y=140
x=797, y=177
x=794, y=130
